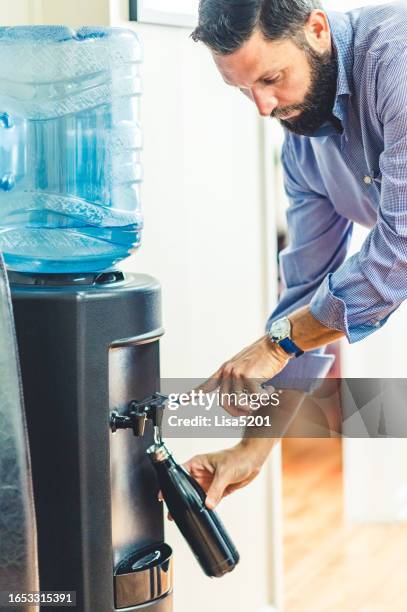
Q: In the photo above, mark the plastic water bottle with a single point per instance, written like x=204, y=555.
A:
x=200, y=526
x=70, y=144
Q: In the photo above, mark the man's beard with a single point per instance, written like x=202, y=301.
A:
x=318, y=103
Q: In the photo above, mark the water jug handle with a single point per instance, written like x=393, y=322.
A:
x=6, y=121
x=7, y=179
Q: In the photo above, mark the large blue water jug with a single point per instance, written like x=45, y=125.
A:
x=70, y=144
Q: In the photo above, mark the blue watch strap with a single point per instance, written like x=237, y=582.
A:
x=290, y=347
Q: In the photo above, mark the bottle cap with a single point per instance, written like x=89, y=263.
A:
x=158, y=453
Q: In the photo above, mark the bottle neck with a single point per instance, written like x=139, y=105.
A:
x=159, y=453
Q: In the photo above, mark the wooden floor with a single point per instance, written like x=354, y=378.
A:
x=331, y=566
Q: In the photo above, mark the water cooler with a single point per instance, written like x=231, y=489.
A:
x=89, y=345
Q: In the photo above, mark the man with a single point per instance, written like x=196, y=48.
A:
x=338, y=85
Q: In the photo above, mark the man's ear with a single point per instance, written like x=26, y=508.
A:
x=318, y=32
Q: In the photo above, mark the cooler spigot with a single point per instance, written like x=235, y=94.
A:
x=131, y=421
x=119, y=421
x=137, y=414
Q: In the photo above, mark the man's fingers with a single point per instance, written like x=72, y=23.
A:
x=212, y=383
x=238, y=386
x=236, y=405
x=238, y=485
x=268, y=387
x=216, y=490
x=188, y=465
x=198, y=463
x=225, y=397
x=253, y=386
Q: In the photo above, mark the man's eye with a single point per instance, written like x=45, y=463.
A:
x=271, y=81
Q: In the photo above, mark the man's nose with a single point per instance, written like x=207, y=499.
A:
x=264, y=100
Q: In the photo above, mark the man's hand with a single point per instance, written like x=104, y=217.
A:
x=223, y=472
x=246, y=372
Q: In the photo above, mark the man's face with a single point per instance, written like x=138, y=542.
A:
x=295, y=85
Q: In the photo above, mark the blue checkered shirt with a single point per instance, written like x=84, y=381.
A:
x=334, y=180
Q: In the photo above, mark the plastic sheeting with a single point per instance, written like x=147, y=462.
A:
x=18, y=550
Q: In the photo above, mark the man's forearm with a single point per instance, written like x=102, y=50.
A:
x=308, y=333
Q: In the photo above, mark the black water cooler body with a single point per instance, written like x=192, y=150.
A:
x=88, y=345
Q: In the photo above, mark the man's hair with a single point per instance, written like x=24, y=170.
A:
x=225, y=25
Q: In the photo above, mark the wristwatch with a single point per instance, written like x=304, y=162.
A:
x=280, y=333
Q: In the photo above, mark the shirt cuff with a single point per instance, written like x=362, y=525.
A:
x=305, y=373
x=332, y=311
x=329, y=309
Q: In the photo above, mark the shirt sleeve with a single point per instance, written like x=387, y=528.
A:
x=360, y=296
x=318, y=243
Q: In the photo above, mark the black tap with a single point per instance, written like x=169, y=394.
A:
x=135, y=418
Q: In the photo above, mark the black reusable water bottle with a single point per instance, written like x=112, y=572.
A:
x=201, y=527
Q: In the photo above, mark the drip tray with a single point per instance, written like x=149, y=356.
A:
x=143, y=576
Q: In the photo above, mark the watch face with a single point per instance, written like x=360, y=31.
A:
x=281, y=329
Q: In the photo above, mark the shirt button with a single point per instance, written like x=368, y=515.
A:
x=368, y=180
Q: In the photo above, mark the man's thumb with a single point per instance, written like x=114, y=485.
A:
x=216, y=490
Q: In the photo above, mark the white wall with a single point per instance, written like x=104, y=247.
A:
x=17, y=14
x=72, y=12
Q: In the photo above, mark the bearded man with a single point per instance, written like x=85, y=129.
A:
x=337, y=83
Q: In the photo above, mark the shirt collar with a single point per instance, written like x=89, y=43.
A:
x=342, y=40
